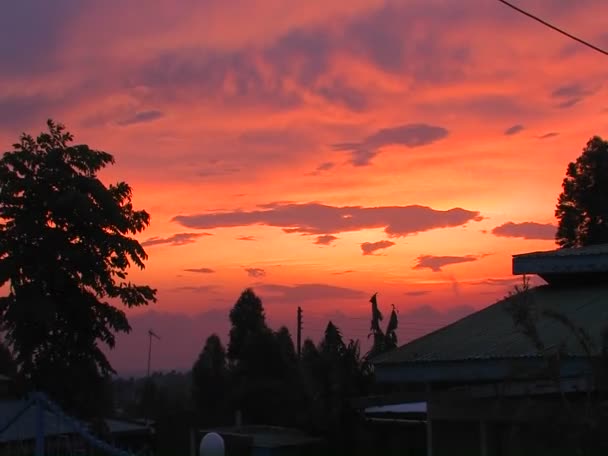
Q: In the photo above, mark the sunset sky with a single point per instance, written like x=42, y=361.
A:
x=317, y=151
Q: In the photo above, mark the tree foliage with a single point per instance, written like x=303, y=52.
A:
x=65, y=249
x=582, y=207
x=209, y=381
x=382, y=340
x=248, y=320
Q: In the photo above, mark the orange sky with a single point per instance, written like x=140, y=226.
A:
x=274, y=143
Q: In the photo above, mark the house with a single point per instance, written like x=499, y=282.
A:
x=494, y=387
x=19, y=421
x=18, y=426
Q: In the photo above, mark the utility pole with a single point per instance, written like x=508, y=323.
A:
x=151, y=334
x=299, y=332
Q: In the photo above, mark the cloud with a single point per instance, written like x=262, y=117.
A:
x=326, y=239
x=176, y=239
x=498, y=282
x=200, y=270
x=217, y=170
x=198, y=288
x=409, y=135
x=141, y=117
x=339, y=92
x=369, y=248
x=309, y=292
x=514, y=130
x=325, y=166
x=417, y=293
x=571, y=94
x=246, y=238
x=321, y=219
x=426, y=313
x=548, y=135
x=526, y=230
x=435, y=263
x=347, y=271
x=255, y=272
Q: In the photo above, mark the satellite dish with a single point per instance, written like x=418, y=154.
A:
x=212, y=445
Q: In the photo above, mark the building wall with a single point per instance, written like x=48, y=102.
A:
x=453, y=438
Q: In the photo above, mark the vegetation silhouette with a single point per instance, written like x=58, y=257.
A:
x=65, y=248
x=582, y=207
x=582, y=212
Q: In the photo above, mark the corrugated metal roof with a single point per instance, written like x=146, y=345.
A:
x=25, y=427
x=599, y=249
x=491, y=333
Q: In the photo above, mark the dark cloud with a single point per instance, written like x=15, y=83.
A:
x=198, y=288
x=526, y=230
x=571, y=94
x=348, y=271
x=325, y=166
x=187, y=74
x=217, y=168
x=435, y=263
x=410, y=135
x=309, y=292
x=176, y=239
x=34, y=48
x=417, y=293
x=246, y=238
x=428, y=313
x=255, y=272
x=141, y=117
x=386, y=38
x=548, y=135
x=498, y=282
x=320, y=219
x=514, y=130
x=326, y=239
x=340, y=93
x=370, y=248
x=200, y=270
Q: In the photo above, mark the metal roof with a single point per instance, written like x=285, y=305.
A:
x=406, y=407
x=25, y=426
x=491, y=333
x=599, y=249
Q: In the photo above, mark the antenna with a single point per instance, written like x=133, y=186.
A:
x=151, y=334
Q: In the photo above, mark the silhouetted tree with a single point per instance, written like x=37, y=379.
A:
x=382, y=340
x=210, y=381
x=64, y=251
x=582, y=208
x=262, y=365
x=247, y=318
x=8, y=366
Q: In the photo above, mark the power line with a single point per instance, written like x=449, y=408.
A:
x=557, y=29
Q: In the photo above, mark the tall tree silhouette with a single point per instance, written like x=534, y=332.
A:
x=582, y=207
x=210, y=381
x=382, y=340
x=64, y=251
x=248, y=320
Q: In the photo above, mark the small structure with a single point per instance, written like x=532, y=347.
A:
x=489, y=387
x=212, y=445
x=130, y=435
x=252, y=440
x=19, y=429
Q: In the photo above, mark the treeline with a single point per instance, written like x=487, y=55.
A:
x=258, y=373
